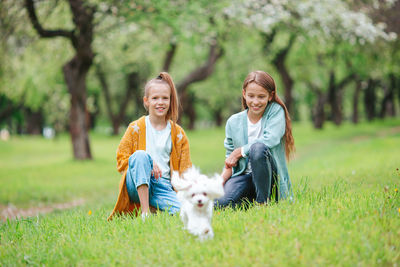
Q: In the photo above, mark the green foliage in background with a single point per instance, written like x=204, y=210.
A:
x=135, y=36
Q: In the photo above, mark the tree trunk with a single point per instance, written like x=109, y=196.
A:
x=387, y=107
x=169, y=56
x=7, y=108
x=336, y=111
x=370, y=99
x=92, y=114
x=319, y=111
x=396, y=85
x=134, y=91
x=188, y=102
x=116, y=123
x=335, y=96
x=34, y=121
x=279, y=63
x=287, y=83
x=218, y=117
x=356, y=98
x=75, y=72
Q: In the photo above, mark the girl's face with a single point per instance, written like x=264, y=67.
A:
x=257, y=98
x=158, y=100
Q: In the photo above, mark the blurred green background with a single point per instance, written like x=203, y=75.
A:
x=80, y=66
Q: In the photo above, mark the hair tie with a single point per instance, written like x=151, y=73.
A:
x=159, y=77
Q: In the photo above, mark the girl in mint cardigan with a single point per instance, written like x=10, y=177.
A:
x=258, y=141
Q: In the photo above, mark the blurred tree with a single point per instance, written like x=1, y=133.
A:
x=389, y=15
x=124, y=49
x=325, y=20
x=208, y=47
x=76, y=69
x=200, y=73
x=179, y=22
x=356, y=96
x=132, y=89
x=370, y=97
x=10, y=108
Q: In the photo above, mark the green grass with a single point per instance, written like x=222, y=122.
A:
x=36, y=170
x=346, y=208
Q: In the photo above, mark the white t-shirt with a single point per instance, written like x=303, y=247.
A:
x=253, y=132
x=159, y=146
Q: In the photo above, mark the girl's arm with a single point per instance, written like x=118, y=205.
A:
x=232, y=154
x=226, y=174
x=233, y=158
x=125, y=150
x=228, y=142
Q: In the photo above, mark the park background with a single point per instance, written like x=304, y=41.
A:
x=72, y=75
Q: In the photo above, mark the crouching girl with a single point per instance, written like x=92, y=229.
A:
x=257, y=141
x=152, y=147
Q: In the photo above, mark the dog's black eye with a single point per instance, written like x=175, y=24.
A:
x=205, y=194
x=193, y=195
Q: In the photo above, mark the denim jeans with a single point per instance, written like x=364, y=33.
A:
x=161, y=194
x=255, y=186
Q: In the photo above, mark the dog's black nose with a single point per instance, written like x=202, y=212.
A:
x=199, y=200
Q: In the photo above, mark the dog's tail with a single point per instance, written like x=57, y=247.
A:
x=215, y=187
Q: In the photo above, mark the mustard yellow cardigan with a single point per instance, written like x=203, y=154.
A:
x=135, y=139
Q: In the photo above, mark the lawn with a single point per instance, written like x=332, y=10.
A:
x=346, y=209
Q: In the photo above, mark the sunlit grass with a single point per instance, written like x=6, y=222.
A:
x=346, y=211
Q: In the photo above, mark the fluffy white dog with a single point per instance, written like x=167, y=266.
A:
x=196, y=193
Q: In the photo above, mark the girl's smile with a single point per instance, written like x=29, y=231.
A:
x=158, y=100
x=257, y=99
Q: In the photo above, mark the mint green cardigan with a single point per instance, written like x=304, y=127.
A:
x=273, y=125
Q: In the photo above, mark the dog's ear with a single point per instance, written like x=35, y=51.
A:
x=178, y=183
x=215, y=187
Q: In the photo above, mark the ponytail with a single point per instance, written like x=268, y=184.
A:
x=165, y=78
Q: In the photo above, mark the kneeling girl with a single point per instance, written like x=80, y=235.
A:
x=151, y=148
x=257, y=141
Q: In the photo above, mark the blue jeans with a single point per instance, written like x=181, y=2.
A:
x=161, y=194
x=255, y=186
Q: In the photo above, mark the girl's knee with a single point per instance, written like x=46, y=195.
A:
x=258, y=151
x=139, y=155
x=223, y=202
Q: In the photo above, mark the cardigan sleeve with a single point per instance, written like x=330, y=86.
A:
x=273, y=131
x=125, y=149
x=228, y=142
x=184, y=159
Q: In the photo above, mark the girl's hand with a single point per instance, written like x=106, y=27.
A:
x=156, y=172
x=233, y=158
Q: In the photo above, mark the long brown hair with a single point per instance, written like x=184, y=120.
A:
x=265, y=80
x=166, y=79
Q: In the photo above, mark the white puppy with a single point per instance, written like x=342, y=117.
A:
x=196, y=193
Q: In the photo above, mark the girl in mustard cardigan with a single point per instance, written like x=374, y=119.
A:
x=151, y=148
